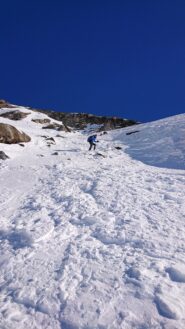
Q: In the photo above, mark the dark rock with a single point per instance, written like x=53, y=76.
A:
x=115, y=123
x=3, y=156
x=2, y=102
x=79, y=121
x=56, y=126
x=5, y=104
x=50, y=139
x=100, y=154
x=41, y=121
x=132, y=132
x=60, y=136
x=67, y=129
x=14, y=115
x=10, y=135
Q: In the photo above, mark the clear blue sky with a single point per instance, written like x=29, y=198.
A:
x=122, y=58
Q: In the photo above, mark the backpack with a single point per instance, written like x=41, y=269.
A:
x=90, y=139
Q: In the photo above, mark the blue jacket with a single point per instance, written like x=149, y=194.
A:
x=92, y=139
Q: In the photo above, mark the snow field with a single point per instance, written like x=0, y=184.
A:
x=89, y=242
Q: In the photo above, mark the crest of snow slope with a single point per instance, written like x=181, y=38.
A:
x=160, y=143
x=89, y=242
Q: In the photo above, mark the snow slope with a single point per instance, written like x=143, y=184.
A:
x=160, y=143
x=91, y=241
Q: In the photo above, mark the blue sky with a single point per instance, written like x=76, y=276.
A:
x=121, y=58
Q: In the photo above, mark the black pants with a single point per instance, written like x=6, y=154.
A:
x=91, y=145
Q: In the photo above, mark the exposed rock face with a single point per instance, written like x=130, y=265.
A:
x=14, y=115
x=3, y=156
x=80, y=121
x=41, y=121
x=57, y=127
x=10, y=135
x=4, y=103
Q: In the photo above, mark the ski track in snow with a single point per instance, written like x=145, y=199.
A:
x=90, y=242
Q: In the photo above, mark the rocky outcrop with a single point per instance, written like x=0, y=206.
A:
x=10, y=135
x=4, y=103
x=80, y=121
x=41, y=121
x=3, y=156
x=57, y=126
x=14, y=115
x=132, y=132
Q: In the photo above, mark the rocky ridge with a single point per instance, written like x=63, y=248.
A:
x=6, y=104
x=81, y=121
x=76, y=121
x=61, y=122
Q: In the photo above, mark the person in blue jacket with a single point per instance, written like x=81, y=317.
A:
x=92, y=141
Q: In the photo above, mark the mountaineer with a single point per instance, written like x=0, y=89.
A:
x=92, y=141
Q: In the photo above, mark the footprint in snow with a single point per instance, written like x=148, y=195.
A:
x=175, y=274
x=85, y=221
x=109, y=236
x=164, y=309
x=133, y=273
x=18, y=239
